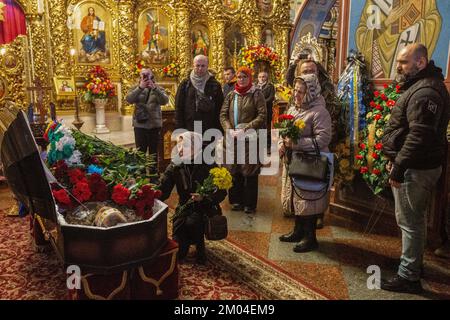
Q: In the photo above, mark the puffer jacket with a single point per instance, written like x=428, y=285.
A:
x=151, y=100
x=415, y=137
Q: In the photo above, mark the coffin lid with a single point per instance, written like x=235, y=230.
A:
x=27, y=175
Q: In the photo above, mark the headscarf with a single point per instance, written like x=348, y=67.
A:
x=244, y=90
x=189, y=147
x=313, y=88
x=198, y=82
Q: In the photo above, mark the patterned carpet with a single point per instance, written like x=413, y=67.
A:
x=230, y=273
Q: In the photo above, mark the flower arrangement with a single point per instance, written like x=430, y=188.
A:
x=370, y=159
x=283, y=92
x=102, y=172
x=218, y=179
x=250, y=55
x=139, y=65
x=98, y=85
x=289, y=127
x=172, y=69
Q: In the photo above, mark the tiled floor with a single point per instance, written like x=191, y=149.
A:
x=339, y=266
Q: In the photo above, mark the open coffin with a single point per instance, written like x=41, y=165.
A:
x=93, y=249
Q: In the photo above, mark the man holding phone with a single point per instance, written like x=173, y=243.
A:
x=148, y=98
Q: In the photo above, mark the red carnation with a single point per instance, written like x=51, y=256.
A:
x=76, y=175
x=364, y=170
x=375, y=156
x=376, y=93
x=373, y=104
x=376, y=172
x=379, y=146
x=397, y=87
x=385, y=86
x=384, y=97
x=377, y=117
x=362, y=146
x=62, y=197
x=391, y=103
x=359, y=157
x=120, y=194
x=81, y=191
x=379, y=107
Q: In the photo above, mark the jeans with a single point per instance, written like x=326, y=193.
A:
x=412, y=200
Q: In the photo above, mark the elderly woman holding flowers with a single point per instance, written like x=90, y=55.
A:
x=309, y=106
x=200, y=187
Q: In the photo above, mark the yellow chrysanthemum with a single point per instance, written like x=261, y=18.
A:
x=221, y=178
x=300, y=124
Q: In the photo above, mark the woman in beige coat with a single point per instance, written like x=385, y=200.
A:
x=243, y=109
x=309, y=105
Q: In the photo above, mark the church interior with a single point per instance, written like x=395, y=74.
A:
x=69, y=65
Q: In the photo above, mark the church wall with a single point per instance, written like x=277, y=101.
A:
x=56, y=29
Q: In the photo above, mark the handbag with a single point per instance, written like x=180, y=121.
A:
x=310, y=174
x=142, y=114
x=216, y=227
x=309, y=166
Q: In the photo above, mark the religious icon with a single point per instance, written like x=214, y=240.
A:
x=268, y=38
x=382, y=35
x=234, y=42
x=231, y=4
x=64, y=86
x=154, y=36
x=265, y=6
x=200, y=40
x=92, y=23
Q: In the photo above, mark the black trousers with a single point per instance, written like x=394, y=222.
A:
x=244, y=191
x=147, y=140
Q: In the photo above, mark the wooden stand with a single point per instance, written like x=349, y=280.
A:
x=165, y=145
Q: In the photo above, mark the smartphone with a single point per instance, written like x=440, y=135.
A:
x=303, y=56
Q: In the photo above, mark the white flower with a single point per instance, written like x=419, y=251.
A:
x=74, y=159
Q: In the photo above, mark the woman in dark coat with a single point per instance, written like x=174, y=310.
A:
x=188, y=228
x=244, y=109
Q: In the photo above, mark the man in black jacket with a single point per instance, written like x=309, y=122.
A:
x=199, y=98
x=415, y=142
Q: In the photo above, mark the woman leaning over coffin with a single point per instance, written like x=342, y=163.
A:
x=309, y=105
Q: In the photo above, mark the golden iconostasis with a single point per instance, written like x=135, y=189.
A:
x=65, y=39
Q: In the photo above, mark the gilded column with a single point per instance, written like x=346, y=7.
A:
x=127, y=49
x=59, y=39
x=39, y=53
x=183, y=37
x=219, y=49
x=282, y=47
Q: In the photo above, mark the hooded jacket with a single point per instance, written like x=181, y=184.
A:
x=415, y=137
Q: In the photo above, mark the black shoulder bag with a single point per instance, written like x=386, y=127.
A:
x=309, y=172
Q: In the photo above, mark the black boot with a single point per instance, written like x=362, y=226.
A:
x=200, y=256
x=309, y=241
x=319, y=223
x=182, y=252
x=296, y=234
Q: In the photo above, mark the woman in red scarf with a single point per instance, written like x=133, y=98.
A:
x=242, y=111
